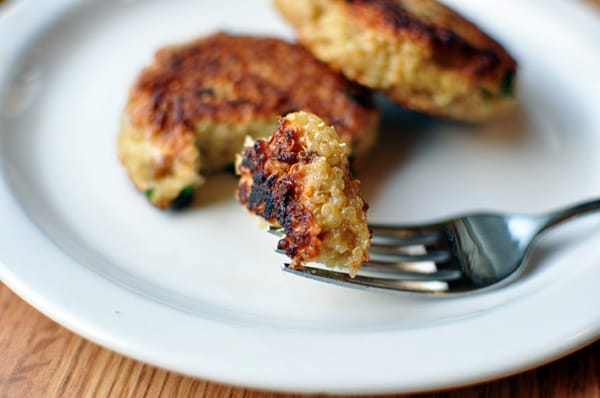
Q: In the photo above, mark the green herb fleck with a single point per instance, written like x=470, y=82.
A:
x=149, y=192
x=184, y=198
x=486, y=94
x=507, y=87
x=230, y=168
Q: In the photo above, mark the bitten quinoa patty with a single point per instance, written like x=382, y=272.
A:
x=189, y=111
x=420, y=53
x=299, y=179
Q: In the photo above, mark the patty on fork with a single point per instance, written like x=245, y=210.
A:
x=189, y=111
x=420, y=53
x=299, y=179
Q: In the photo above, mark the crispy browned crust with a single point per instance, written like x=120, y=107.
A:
x=271, y=188
x=241, y=78
x=419, y=53
x=300, y=179
x=455, y=43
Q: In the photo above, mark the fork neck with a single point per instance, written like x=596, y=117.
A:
x=561, y=215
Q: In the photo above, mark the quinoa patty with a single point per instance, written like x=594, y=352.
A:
x=420, y=53
x=299, y=179
x=189, y=111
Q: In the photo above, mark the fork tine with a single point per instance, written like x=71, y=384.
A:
x=385, y=235
x=376, y=269
x=399, y=258
x=277, y=231
x=394, y=257
x=391, y=259
x=389, y=240
x=367, y=282
x=423, y=268
x=409, y=270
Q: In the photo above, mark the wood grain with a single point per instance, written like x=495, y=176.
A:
x=39, y=358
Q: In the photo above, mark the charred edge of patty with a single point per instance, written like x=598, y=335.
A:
x=185, y=84
x=449, y=49
x=275, y=190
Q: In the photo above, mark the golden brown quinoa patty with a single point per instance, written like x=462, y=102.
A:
x=299, y=179
x=190, y=110
x=420, y=53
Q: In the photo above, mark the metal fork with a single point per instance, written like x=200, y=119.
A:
x=457, y=255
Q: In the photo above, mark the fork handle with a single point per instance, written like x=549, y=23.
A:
x=561, y=215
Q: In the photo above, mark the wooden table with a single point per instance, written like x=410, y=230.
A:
x=39, y=358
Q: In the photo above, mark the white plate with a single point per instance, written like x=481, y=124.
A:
x=201, y=292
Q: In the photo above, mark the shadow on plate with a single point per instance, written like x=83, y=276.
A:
x=402, y=133
x=219, y=188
